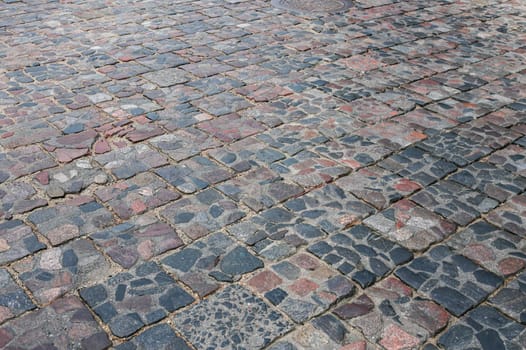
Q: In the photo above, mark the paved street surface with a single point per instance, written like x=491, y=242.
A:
x=236, y=174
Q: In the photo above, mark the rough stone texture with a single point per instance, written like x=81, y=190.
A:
x=130, y=300
x=484, y=328
x=361, y=253
x=13, y=300
x=23, y=161
x=510, y=216
x=511, y=158
x=65, y=324
x=411, y=225
x=17, y=240
x=55, y=272
x=234, y=317
x=137, y=195
x=388, y=314
x=301, y=286
x=137, y=240
x=184, y=143
x=455, y=202
x=512, y=299
x=451, y=280
x=206, y=212
x=132, y=160
x=204, y=264
x=17, y=198
x=160, y=337
x=71, y=219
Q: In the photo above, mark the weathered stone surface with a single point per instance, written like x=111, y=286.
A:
x=512, y=299
x=18, y=197
x=233, y=317
x=160, y=336
x=131, y=300
x=203, y=265
x=13, y=300
x=510, y=216
x=66, y=317
x=137, y=240
x=57, y=271
x=23, y=161
x=17, y=240
x=184, y=143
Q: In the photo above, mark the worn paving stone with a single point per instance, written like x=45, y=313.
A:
x=184, y=143
x=222, y=104
x=246, y=154
x=458, y=110
x=390, y=315
x=377, y=186
x=455, y=148
x=391, y=134
x=231, y=127
x=137, y=240
x=167, y=77
x=136, y=195
x=324, y=333
x=484, y=328
x=233, y=317
x=193, y=174
x=361, y=253
x=71, y=178
x=301, y=287
x=259, y=189
x=432, y=89
x=495, y=182
x=66, y=317
x=512, y=158
x=17, y=240
x=511, y=299
x=450, y=279
x=13, y=300
x=354, y=151
x=71, y=219
x=215, y=84
x=202, y=213
x=510, y=216
x=494, y=249
x=131, y=160
x=454, y=201
x=130, y=300
x=17, y=198
x=23, y=161
x=410, y=225
x=368, y=110
x=160, y=336
x=308, y=169
x=57, y=271
x=28, y=133
x=489, y=134
x=425, y=121
x=292, y=138
x=418, y=165
x=402, y=99
x=206, y=263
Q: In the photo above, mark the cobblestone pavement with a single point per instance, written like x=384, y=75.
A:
x=241, y=174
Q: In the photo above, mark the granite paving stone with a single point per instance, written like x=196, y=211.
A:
x=130, y=300
x=379, y=187
x=206, y=263
x=131, y=160
x=194, y=174
x=425, y=121
x=137, y=240
x=17, y=240
x=66, y=324
x=71, y=178
x=17, y=198
x=222, y=104
x=57, y=271
x=510, y=216
x=292, y=138
x=259, y=189
x=160, y=336
x=361, y=253
x=455, y=148
x=431, y=89
x=402, y=99
x=301, y=286
x=391, y=134
x=484, y=328
x=496, y=250
x=512, y=158
x=167, y=77
x=199, y=215
x=450, y=279
x=23, y=161
x=388, y=314
x=13, y=299
x=410, y=225
x=454, y=201
x=136, y=195
x=368, y=110
x=489, y=134
x=333, y=125
x=511, y=299
x=232, y=318
x=487, y=178
x=184, y=143
x=27, y=133
x=70, y=219
x=231, y=127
